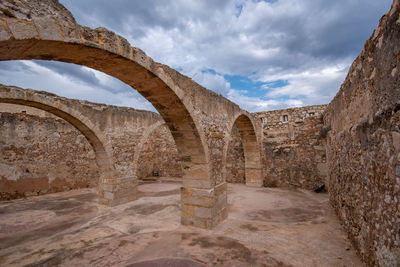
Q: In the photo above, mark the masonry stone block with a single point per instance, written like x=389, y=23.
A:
x=4, y=34
x=204, y=208
x=109, y=195
x=203, y=212
x=198, y=183
x=254, y=177
x=108, y=39
x=47, y=27
x=22, y=30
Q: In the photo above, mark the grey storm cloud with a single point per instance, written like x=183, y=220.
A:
x=70, y=70
x=14, y=66
x=304, y=31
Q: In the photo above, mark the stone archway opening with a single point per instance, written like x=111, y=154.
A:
x=243, y=127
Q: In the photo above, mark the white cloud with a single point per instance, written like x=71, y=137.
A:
x=309, y=43
x=315, y=86
x=41, y=78
x=214, y=82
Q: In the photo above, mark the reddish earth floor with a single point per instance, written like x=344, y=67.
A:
x=265, y=227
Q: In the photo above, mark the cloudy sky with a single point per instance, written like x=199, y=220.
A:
x=263, y=55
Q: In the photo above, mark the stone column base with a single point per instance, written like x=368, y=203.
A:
x=204, y=208
x=113, y=192
x=254, y=177
x=254, y=183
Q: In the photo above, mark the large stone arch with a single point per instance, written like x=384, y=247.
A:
x=61, y=39
x=196, y=117
x=251, y=146
x=14, y=95
x=58, y=37
x=46, y=30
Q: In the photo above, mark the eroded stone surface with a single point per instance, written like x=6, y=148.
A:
x=362, y=148
x=294, y=147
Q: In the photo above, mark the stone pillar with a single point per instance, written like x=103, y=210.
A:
x=204, y=207
x=254, y=177
x=253, y=171
x=115, y=191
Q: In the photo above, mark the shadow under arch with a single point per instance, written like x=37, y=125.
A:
x=18, y=96
x=49, y=35
x=251, y=149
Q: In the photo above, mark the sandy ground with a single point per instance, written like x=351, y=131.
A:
x=265, y=227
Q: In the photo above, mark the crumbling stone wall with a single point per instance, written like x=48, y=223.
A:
x=363, y=146
x=294, y=147
x=41, y=155
x=159, y=154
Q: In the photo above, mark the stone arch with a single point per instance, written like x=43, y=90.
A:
x=251, y=147
x=51, y=33
x=14, y=95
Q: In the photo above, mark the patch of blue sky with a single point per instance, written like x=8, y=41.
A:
x=250, y=87
x=253, y=88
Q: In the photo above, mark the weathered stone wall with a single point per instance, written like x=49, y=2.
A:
x=159, y=153
x=294, y=147
x=41, y=155
x=363, y=146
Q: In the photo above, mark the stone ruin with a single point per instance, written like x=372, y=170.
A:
x=352, y=145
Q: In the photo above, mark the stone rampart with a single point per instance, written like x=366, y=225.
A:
x=363, y=146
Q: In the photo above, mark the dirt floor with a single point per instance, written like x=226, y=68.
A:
x=265, y=227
